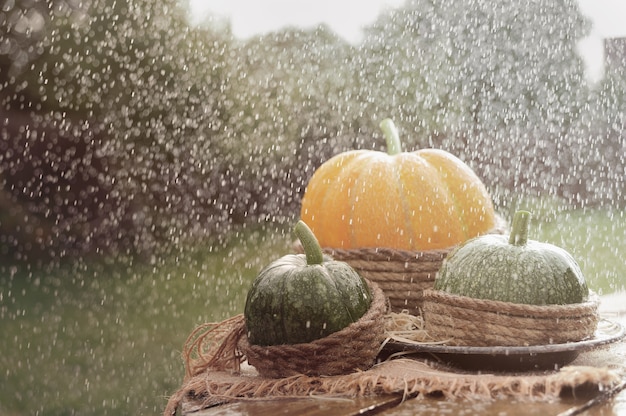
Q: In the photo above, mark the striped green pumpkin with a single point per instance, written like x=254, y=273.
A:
x=513, y=269
x=303, y=297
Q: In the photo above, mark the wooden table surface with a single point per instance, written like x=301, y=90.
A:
x=612, y=307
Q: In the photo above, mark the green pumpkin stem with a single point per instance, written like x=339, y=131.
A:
x=391, y=136
x=519, y=228
x=310, y=244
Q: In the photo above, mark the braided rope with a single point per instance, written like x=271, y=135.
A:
x=479, y=322
x=352, y=348
x=402, y=275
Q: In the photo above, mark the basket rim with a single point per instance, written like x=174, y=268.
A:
x=589, y=307
x=387, y=254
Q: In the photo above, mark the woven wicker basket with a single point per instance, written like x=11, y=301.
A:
x=461, y=320
x=402, y=275
x=352, y=348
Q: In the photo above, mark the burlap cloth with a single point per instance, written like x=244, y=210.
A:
x=229, y=378
x=405, y=377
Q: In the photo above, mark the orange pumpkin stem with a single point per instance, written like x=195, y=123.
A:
x=391, y=136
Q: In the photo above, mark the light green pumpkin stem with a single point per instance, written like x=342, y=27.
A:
x=391, y=136
x=310, y=244
x=519, y=228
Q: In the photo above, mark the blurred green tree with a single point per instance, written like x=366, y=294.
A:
x=476, y=66
x=498, y=84
x=131, y=87
x=140, y=129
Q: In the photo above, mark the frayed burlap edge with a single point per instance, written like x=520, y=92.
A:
x=403, y=275
x=468, y=321
x=406, y=377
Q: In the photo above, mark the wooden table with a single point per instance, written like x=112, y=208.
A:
x=606, y=403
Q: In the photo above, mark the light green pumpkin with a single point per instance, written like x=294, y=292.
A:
x=513, y=269
x=303, y=297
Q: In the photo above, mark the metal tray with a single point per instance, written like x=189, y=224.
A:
x=501, y=358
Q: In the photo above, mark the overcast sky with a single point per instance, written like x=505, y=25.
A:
x=347, y=17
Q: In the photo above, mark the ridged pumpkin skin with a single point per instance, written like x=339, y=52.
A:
x=422, y=200
x=513, y=269
x=296, y=300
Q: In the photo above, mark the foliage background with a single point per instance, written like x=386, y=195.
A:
x=125, y=130
x=162, y=165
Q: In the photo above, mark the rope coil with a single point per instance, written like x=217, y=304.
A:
x=479, y=322
x=402, y=275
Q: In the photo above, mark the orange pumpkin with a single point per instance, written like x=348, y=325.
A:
x=422, y=200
